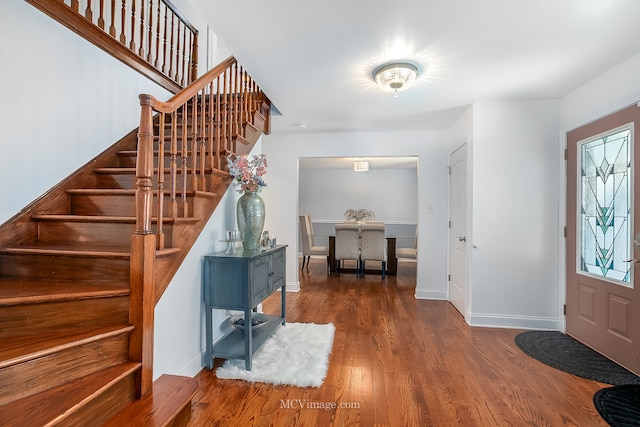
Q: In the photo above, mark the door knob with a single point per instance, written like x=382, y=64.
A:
x=462, y=238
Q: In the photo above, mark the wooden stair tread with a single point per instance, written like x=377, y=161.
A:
x=21, y=291
x=132, y=171
x=171, y=395
x=78, y=250
x=108, y=219
x=22, y=348
x=55, y=404
x=127, y=192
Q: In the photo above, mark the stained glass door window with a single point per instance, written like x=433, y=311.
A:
x=605, y=198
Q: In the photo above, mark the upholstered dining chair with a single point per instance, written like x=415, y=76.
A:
x=373, y=245
x=347, y=244
x=411, y=253
x=308, y=242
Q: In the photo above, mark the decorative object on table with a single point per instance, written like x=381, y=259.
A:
x=265, y=240
x=359, y=215
x=233, y=237
x=297, y=354
x=250, y=210
x=257, y=320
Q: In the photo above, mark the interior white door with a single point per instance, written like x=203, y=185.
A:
x=458, y=229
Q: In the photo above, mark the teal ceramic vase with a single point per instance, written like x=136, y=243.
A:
x=250, y=216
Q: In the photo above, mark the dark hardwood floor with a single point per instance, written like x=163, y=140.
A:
x=398, y=361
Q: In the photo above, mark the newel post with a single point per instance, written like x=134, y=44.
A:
x=143, y=255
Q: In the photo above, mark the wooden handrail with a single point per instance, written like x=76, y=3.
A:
x=151, y=36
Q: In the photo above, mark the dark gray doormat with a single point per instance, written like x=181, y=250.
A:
x=619, y=405
x=569, y=355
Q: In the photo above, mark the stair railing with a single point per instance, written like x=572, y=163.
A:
x=151, y=36
x=195, y=131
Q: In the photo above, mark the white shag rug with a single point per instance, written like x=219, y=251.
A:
x=296, y=354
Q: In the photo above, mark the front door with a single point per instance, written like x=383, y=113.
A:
x=603, y=222
x=458, y=229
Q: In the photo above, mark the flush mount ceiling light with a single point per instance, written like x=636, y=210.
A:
x=360, y=166
x=395, y=76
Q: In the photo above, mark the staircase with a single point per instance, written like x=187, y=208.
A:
x=73, y=321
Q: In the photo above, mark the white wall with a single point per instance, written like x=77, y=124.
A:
x=615, y=89
x=431, y=148
x=513, y=276
x=326, y=194
x=64, y=101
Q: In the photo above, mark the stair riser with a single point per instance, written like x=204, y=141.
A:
x=115, y=205
x=41, y=373
x=42, y=318
x=127, y=181
x=117, y=234
x=104, y=406
x=128, y=161
x=45, y=267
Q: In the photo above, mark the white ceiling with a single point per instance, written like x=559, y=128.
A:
x=314, y=59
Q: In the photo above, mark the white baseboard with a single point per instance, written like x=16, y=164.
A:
x=293, y=287
x=427, y=294
x=514, y=322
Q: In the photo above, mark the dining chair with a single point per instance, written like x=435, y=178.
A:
x=308, y=242
x=347, y=244
x=411, y=253
x=373, y=245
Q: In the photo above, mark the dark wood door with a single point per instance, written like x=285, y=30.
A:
x=603, y=292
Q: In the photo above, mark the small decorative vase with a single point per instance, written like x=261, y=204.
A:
x=250, y=215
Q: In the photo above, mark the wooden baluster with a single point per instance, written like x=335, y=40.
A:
x=218, y=123
x=173, y=167
x=210, y=134
x=75, y=5
x=164, y=53
x=203, y=139
x=176, y=78
x=246, y=97
x=170, y=73
x=101, y=16
x=88, y=13
x=123, y=25
x=185, y=154
x=241, y=103
x=160, y=206
x=194, y=58
x=194, y=141
x=156, y=63
x=141, y=49
x=184, y=57
x=112, y=27
x=225, y=113
x=132, y=40
x=232, y=109
x=150, y=38
x=238, y=101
